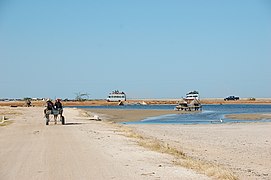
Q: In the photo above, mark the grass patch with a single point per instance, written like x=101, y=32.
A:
x=207, y=168
x=203, y=167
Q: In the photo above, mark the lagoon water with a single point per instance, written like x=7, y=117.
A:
x=209, y=114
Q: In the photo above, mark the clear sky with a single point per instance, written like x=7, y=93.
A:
x=146, y=48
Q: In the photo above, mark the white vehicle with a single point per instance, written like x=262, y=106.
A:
x=116, y=96
x=192, y=95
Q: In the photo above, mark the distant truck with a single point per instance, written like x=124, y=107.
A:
x=231, y=98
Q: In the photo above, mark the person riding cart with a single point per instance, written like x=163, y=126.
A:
x=58, y=106
x=49, y=106
x=54, y=109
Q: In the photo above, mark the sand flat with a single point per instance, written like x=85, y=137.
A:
x=90, y=149
x=249, y=116
x=244, y=148
x=81, y=149
x=124, y=115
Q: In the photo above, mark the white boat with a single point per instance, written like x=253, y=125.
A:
x=116, y=96
x=190, y=103
x=192, y=95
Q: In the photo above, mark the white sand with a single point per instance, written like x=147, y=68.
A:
x=82, y=149
x=244, y=148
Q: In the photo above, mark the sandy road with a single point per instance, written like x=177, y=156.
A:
x=82, y=149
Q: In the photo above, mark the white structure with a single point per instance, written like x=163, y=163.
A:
x=192, y=95
x=190, y=103
x=116, y=96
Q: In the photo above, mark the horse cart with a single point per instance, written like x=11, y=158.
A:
x=57, y=116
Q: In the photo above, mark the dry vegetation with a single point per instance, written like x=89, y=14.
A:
x=136, y=101
x=207, y=168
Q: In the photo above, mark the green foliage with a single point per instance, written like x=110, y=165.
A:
x=27, y=98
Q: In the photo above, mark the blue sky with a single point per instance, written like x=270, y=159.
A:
x=147, y=48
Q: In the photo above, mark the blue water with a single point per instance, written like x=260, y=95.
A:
x=210, y=113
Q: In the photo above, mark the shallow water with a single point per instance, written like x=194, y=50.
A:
x=209, y=114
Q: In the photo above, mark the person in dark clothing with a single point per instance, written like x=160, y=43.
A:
x=58, y=106
x=49, y=106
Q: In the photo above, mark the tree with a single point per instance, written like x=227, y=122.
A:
x=81, y=96
x=27, y=98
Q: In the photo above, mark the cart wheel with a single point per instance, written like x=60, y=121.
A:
x=62, y=120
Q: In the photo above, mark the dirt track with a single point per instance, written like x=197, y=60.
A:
x=82, y=149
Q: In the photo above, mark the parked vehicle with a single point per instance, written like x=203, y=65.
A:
x=116, y=96
x=231, y=98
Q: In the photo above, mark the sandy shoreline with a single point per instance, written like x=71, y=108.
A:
x=102, y=102
x=122, y=115
x=249, y=116
x=81, y=149
x=244, y=148
x=239, y=148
